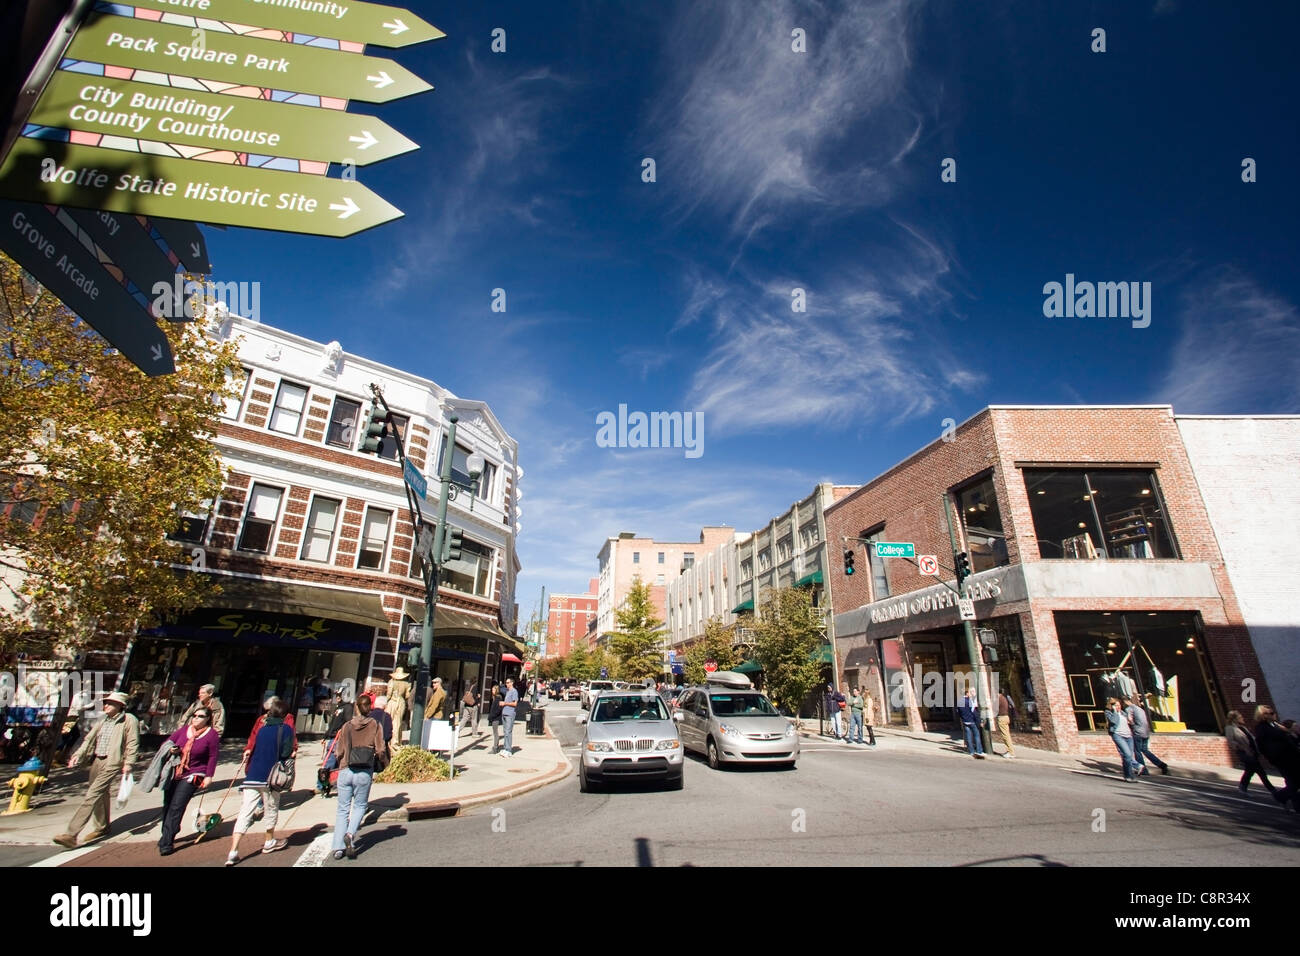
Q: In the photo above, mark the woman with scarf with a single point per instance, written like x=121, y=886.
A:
x=198, y=745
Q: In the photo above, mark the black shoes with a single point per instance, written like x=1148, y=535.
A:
x=350, y=850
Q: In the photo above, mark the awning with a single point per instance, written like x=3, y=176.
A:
x=813, y=578
x=259, y=594
x=448, y=619
x=824, y=654
x=743, y=606
x=510, y=659
x=749, y=667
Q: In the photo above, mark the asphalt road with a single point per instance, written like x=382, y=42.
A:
x=857, y=806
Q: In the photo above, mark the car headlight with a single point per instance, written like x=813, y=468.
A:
x=731, y=730
x=668, y=744
x=599, y=746
x=789, y=731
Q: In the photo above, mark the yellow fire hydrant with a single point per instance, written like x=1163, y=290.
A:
x=25, y=784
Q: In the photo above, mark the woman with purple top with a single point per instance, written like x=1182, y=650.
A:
x=198, y=745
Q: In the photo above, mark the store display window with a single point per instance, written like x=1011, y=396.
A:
x=1099, y=513
x=986, y=543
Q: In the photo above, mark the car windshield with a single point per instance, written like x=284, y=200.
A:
x=742, y=705
x=625, y=707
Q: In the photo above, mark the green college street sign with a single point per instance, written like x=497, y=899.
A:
x=37, y=241
x=91, y=177
x=248, y=61
x=215, y=120
x=895, y=549
x=341, y=20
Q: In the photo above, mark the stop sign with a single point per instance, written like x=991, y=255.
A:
x=528, y=665
x=710, y=666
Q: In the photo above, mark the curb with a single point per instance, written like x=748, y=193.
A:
x=454, y=808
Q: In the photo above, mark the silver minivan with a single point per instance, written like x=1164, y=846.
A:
x=730, y=722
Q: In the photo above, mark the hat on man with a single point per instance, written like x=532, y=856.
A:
x=119, y=698
x=437, y=680
x=400, y=674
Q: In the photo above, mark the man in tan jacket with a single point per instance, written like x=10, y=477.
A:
x=436, y=708
x=110, y=750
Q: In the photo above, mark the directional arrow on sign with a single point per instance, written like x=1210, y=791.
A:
x=215, y=120
x=130, y=247
x=248, y=61
x=345, y=20
x=37, y=241
x=91, y=177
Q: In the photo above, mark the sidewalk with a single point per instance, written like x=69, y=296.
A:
x=480, y=778
x=902, y=739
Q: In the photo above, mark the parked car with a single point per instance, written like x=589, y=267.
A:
x=592, y=688
x=571, y=692
x=629, y=736
x=729, y=722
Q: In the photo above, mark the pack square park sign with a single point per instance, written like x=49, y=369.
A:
x=44, y=169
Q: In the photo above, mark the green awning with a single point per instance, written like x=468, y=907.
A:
x=824, y=654
x=813, y=578
x=743, y=606
x=749, y=667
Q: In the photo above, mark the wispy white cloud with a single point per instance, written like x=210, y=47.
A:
x=1238, y=351
x=746, y=124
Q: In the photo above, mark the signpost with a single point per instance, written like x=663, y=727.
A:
x=97, y=178
x=250, y=61
x=414, y=480
x=894, y=549
x=928, y=564
x=33, y=237
x=218, y=121
x=967, y=608
x=343, y=20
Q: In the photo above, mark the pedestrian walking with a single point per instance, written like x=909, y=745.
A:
x=197, y=747
x=1242, y=741
x=379, y=714
x=361, y=752
x=856, y=704
x=258, y=724
x=110, y=750
x=276, y=741
x=970, y=724
x=1006, y=710
x=1121, y=731
x=509, y=701
x=1280, y=747
x=1140, y=721
x=469, y=708
x=494, y=717
x=207, y=698
x=399, y=700
x=435, y=709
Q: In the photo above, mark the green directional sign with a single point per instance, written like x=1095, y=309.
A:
x=242, y=124
x=37, y=241
x=130, y=247
x=248, y=61
x=91, y=177
x=342, y=20
x=895, y=549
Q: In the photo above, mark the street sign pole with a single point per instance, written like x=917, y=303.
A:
x=972, y=650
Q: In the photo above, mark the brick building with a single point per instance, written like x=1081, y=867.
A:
x=626, y=557
x=1096, y=572
x=567, y=620
x=312, y=546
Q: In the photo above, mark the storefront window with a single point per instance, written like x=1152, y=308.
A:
x=985, y=541
x=1007, y=644
x=1157, y=655
x=471, y=572
x=1104, y=513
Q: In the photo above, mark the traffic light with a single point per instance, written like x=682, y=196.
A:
x=848, y=561
x=451, y=545
x=961, y=561
x=372, y=439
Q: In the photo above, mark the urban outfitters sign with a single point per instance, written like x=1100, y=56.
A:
x=935, y=606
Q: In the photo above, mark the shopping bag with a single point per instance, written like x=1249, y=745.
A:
x=124, y=791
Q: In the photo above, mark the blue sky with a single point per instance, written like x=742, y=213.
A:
x=818, y=170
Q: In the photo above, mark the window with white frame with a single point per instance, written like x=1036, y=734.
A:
x=318, y=536
x=236, y=380
x=374, y=538
x=192, y=526
x=260, y=517
x=472, y=572
x=290, y=401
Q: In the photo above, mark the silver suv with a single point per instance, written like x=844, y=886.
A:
x=590, y=691
x=736, y=725
x=629, y=736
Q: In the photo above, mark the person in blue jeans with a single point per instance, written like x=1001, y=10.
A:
x=855, y=717
x=970, y=724
x=508, y=704
x=1121, y=731
x=361, y=751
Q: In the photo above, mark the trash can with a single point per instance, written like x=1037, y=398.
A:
x=537, y=721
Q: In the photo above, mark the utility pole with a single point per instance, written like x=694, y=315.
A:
x=973, y=650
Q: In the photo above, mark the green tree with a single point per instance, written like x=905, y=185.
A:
x=97, y=461
x=714, y=645
x=788, y=636
x=637, y=643
x=578, y=664
x=602, y=659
